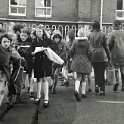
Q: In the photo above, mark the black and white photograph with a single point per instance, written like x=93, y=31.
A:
x=61, y=61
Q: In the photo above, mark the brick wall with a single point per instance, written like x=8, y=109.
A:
x=30, y=9
x=85, y=10
x=95, y=9
x=109, y=8
x=64, y=9
x=4, y=10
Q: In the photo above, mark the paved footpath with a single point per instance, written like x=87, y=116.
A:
x=64, y=109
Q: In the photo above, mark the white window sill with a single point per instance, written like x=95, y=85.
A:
x=119, y=18
x=12, y=14
x=44, y=16
x=119, y=14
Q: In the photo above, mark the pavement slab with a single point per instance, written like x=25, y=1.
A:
x=64, y=109
x=19, y=114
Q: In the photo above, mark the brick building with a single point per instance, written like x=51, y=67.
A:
x=60, y=14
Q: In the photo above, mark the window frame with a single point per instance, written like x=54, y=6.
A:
x=44, y=16
x=120, y=2
x=17, y=6
x=119, y=14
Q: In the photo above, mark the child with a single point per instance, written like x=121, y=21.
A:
x=16, y=74
x=80, y=64
x=24, y=51
x=100, y=56
x=5, y=56
x=61, y=51
x=17, y=30
x=71, y=36
x=42, y=65
x=116, y=44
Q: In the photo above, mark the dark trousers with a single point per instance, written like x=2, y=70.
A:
x=16, y=81
x=99, y=71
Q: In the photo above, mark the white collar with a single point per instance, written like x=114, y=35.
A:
x=81, y=38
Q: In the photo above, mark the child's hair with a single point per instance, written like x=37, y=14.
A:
x=34, y=33
x=25, y=30
x=96, y=25
x=5, y=36
x=17, y=28
x=44, y=36
x=57, y=34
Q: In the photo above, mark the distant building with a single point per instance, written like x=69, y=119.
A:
x=60, y=14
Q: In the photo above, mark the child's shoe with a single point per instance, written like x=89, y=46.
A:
x=122, y=89
x=46, y=103
x=84, y=96
x=77, y=96
x=115, y=87
x=97, y=90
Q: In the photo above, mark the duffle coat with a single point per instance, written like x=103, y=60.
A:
x=42, y=65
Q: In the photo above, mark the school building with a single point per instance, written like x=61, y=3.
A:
x=61, y=14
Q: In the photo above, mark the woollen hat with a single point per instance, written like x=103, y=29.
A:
x=56, y=33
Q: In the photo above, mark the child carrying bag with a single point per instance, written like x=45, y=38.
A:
x=50, y=54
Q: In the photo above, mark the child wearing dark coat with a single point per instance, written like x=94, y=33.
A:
x=5, y=68
x=61, y=51
x=5, y=55
x=16, y=73
x=80, y=64
x=42, y=65
x=24, y=51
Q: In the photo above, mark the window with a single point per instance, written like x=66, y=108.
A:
x=119, y=13
x=119, y=4
x=43, y=8
x=17, y=7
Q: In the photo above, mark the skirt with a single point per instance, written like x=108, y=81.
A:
x=81, y=64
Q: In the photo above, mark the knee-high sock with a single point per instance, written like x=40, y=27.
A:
x=39, y=84
x=77, y=85
x=83, y=88
x=31, y=85
x=55, y=82
x=2, y=92
x=46, y=90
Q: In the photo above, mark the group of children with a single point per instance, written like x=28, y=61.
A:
x=20, y=61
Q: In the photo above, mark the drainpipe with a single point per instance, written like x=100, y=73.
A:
x=101, y=14
x=77, y=14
